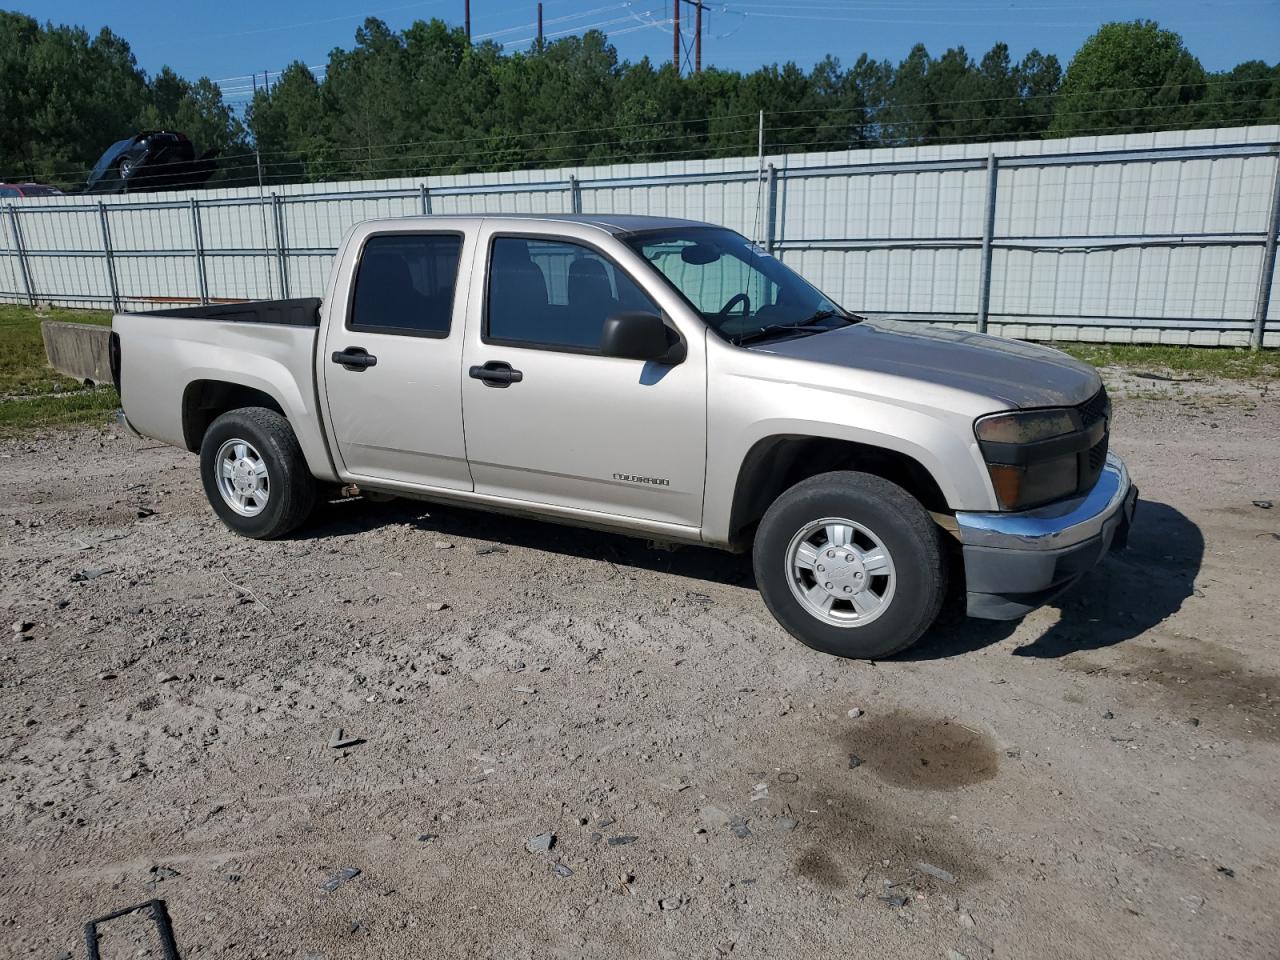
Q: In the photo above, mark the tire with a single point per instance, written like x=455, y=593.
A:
x=261, y=503
x=873, y=609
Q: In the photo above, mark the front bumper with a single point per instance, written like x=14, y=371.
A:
x=1015, y=562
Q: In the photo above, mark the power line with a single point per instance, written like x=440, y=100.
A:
x=873, y=110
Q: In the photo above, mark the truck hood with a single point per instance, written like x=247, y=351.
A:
x=1017, y=374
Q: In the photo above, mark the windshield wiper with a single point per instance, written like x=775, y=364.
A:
x=807, y=325
x=773, y=329
x=827, y=315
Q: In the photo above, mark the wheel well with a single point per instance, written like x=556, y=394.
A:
x=205, y=400
x=775, y=464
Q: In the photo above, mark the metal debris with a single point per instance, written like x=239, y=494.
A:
x=81, y=576
x=159, y=916
x=338, y=741
x=344, y=875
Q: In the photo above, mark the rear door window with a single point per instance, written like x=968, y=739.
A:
x=405, y=284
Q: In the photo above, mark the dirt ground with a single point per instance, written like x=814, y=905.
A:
x=1096, y=781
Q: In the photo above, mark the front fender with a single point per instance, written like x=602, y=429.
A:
x=940, y=439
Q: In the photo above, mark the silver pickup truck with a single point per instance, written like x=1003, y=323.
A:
x=658, y=377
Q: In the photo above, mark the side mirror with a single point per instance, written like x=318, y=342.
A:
x=635, y=335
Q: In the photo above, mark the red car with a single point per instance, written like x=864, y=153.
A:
x=8, y=190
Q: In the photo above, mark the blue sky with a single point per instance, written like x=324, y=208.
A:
x=229, y=39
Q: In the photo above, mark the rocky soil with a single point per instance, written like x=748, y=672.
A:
x=414, y=731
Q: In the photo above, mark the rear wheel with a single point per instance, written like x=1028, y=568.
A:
x=254, y=473
x=850, y=564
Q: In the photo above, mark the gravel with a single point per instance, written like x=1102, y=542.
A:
x=654, y=668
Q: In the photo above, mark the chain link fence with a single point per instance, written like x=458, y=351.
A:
x=1163, y=238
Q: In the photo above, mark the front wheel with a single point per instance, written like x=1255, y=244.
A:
x=254, y=473
x=850, y=564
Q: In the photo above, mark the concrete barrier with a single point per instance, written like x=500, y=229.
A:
x=78, y=350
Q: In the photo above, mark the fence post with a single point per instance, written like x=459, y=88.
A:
x=277, y=209
x=109, y=254
x=988, y=228
x=771, y=210
x=197, y=235
x=426, y=201
x=20, y=248
x=1268, y=265
x=575, y=195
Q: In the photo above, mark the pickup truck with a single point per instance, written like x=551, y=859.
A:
x=663, y=378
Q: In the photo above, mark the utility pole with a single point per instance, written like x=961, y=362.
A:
x=675, y=35
x=697, y=37
x=677, y=51
x=466, y=15
x=539, y=26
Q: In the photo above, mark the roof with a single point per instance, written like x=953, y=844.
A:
x=621, y=222
x=610, y=223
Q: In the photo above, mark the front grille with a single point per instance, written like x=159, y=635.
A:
x=1091, y=461
x=1095, y=408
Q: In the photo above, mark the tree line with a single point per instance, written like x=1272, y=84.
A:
x=426, y=101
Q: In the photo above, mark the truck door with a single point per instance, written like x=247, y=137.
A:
x=548, y=418
x=392, y=361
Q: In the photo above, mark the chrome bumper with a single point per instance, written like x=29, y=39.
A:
x=1015, y=562
x=1056, y=525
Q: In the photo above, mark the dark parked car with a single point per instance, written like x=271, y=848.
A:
x=8, y=190
x=152, y=160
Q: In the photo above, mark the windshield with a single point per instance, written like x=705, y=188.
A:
x=741, y=291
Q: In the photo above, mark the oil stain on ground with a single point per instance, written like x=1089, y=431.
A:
x=1205, y=684
x=856, y=837
x=920, y=752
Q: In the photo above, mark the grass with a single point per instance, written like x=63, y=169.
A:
x=32, y=394
x=1224, y=363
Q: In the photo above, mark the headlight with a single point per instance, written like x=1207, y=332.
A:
x=1034, y=456
x=1026, y=427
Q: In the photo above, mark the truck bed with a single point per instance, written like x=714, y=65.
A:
x=297, y=312
x=169, y=363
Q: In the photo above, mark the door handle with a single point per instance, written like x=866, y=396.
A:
x=496, y=373
x=355, y=358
